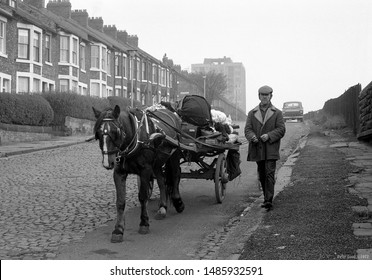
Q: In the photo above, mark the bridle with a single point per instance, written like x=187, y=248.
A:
x=105, y=132
x=134, y=144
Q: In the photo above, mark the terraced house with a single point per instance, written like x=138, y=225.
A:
x=54, y=48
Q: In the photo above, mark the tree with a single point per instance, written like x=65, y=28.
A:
x=215, y=84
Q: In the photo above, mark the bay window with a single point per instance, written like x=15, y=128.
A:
x=2, y=36
x=95, y=56
x=74, y=51
x=23, y=84
x=37, y=46
x=48, y=48
x=82, y=57
x=64, y=49
x=23, y=43
x=63, y=85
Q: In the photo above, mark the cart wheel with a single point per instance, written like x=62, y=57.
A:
x=220, y=178
x=151, y=185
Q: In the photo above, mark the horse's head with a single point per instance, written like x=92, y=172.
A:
x=110, y=132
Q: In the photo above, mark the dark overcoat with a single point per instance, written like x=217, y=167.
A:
x=273, y=125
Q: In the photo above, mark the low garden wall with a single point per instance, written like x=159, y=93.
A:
x=10, y=133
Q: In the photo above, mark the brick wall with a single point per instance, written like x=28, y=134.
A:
x=365, y=113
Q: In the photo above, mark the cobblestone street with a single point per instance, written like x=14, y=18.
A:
x=50, y=198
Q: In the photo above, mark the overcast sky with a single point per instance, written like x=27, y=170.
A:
x=309, y=51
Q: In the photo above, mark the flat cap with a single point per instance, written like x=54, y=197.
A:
x=265, y=90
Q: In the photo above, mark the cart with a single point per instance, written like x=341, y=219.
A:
x=196, y=150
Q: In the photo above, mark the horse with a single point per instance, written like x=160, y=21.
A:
x=130, y=146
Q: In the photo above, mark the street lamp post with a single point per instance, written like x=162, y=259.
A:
x=236, y=102
x=132, y=54
x=205, y=78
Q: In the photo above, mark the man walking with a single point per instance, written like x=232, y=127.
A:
x=264, y=128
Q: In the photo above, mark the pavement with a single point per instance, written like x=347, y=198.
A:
x=359, y=181
x=18, y=148
x=322, y=205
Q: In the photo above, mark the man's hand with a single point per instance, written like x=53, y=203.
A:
x=264, y=137
x=254, y=139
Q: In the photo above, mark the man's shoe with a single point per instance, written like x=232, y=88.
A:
x=269, y=206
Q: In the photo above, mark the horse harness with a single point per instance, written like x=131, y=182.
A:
x=135, y=143
x=106, y=132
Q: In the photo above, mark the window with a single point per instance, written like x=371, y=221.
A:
x=125, y=61
x=117, y=65
x=82, y=57
x=5, y=85
x=74, y=51
x=108, y=63
x=63, y=85
x=144, y=72
x=48, y=48
x=64, y=49
x=74, y=85
x=23, y=43
x=23, y=84
x=36, y=47
x=154, y=71
x=95, y=56
x=94, y=89
x=104, y=59
x=12, y=3
x=138, y=73
x=104, y=91
x=36, y=85
x=2, y=36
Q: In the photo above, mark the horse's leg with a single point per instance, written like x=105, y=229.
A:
x=120, y=185
x=143, y=197
x=162, y=210
x=173, y=171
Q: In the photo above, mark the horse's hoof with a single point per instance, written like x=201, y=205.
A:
x=144, y=230
x=116, y=238
x=180, y=208
x=161, y=214
x=179, y=205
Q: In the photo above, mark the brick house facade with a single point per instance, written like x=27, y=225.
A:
x=45, y=48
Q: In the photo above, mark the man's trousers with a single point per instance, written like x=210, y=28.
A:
x=266, y=175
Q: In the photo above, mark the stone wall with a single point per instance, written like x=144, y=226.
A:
x=365, y=113
x=78, y=126
x=10, y=133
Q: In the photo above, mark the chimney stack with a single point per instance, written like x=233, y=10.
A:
x=96, y=23
x=80, y=16
x=35, y=3
x=60, y=7
x=111, y=31
x=122, y=36
x=133, y=40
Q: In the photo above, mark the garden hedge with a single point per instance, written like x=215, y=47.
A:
x=25, y=109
